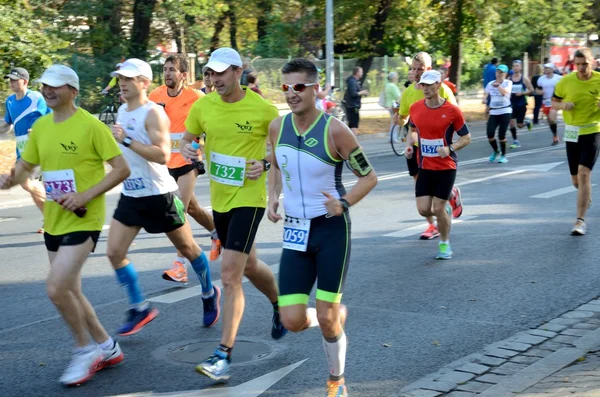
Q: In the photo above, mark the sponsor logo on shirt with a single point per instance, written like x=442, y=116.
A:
x=69, y=148
x=311, y=142
x=130, y=125
x=244, y=128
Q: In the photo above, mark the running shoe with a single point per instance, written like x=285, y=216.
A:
x=555, y=141
x=493, y=156
x=579, y=228
x=217, y=367
x=278, y=331
x=516, y=144
x=503, y=160
x=111, y=357
x=431, y=232
x=212, y=309
x=529, y=125
x=82, y=367
x=215, y=250
x=177, y=273
x=41, y=229
x=336, y=389
x=456, y=202
x=445, y=251
x=136, y=320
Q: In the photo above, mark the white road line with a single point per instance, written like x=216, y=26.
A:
x=185, y=293
x=557, y=192
x=490, y=177
x=411, y=231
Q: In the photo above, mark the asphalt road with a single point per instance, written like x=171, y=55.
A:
x=515, y=266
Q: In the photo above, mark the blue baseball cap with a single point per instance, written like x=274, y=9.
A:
x=503, y=68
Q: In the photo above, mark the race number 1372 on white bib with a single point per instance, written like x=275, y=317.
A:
x=228, y=170
x=571, y=133
x=58, y=183
x=429, y=147
x=295, y=234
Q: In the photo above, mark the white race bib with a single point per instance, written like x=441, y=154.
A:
x=22, y=142
x=497, y=104
x=175, y=139
x=571, y=133
x=228, y=170
x=429, y=147
x=295, y=234
x=58, y=183
x=547, y=102
x=517, y=88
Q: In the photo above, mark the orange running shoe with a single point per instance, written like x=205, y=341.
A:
x=215, y=250
x=336, y=389
x=431, y=232
x=177, y=273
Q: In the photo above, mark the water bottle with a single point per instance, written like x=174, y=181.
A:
x=199, y=165
x=80, y=212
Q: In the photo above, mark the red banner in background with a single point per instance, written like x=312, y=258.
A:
x=562, y=49
x=559, y=56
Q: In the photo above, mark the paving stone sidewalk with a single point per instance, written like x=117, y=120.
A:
x=558, y=359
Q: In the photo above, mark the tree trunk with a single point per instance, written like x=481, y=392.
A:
x=232, y=25
x=219, y=25
x=105, y=28
x=264, y=10
x=176, y=33
x=190, y=20
x=376, y=35
x=140, y=33
x=456, y=44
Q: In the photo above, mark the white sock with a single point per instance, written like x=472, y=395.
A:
x=311, y=313
x=108, y=344
x=142, y=306
x=335, y=350
x=209, y=294
x=444, y=242
x=180, y=259
x=214, y=235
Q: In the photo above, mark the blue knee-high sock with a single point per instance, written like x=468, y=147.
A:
x=200, y=266
x=127, y=276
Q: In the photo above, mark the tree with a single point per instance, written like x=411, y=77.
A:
x=140, y=33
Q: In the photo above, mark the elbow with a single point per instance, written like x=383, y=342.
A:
x=124, y=173
x=372, y=178
x=163, y=158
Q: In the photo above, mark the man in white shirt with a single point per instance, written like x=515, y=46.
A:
x=547, y=83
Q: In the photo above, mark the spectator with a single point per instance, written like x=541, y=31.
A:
x=352, y=99
x=252, y=78
x=391, y=94
x=246, y=69
x=489, y=72
x=446, y=80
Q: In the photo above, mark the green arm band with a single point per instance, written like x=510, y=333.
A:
x=359, y=162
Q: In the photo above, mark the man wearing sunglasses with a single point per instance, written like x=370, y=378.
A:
x=420, y=64
x=23, y=108
x=310, y=148
x=235, y=122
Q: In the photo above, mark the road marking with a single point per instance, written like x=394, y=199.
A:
x=186, y=293
x=487, y=178
x=253, y=388
x=557, y=192
x=411, y=231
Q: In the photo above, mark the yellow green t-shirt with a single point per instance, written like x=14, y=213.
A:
x=234, y=132
x=585, y=95
x=71, y=156
x=412, y=95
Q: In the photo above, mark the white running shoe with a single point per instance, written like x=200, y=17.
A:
x=111, y=357
x=82, y=367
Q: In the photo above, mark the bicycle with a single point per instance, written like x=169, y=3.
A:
x=111, y=103
x=397, y=135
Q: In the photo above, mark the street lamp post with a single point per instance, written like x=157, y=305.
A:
x=330, y=62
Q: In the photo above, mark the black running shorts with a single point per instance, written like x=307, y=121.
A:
x=53, y=243
x=237, y=228
x=583, y=152
x=352, y=114
x=519, y=113
x=325, y=260
x=181, y=171
x=412, y=163
x=161, y=213
x=435, y=183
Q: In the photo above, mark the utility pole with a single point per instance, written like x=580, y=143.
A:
x=330, y=62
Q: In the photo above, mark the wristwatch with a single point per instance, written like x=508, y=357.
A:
x=345, y=205
x=266, y=165
x=450, y=148
x=127, y=141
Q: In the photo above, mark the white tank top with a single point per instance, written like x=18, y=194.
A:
x=147, y=178
x=307, y=169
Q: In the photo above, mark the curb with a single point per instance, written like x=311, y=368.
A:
x=511, y=366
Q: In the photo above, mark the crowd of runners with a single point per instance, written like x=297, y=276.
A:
x=163, y=140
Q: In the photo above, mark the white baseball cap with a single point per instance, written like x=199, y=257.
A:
x=430, y=77
x=223, y=58
x=549, y=65
x=59, y=75
x=133, y=68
